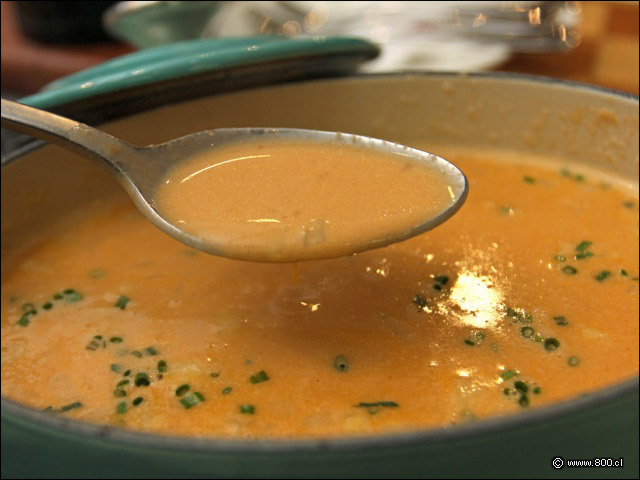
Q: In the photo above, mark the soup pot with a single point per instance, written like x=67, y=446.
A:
x=594, y=126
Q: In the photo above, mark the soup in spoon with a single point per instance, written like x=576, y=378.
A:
x=279, y=201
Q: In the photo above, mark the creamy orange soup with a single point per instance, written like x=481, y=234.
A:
x=528, y=296
x=275, y=200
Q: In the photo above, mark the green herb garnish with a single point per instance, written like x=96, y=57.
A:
x=150, y=351
x=58, y=296
x=507, y=374
x=551, y=344
x=123, y=382
x=122, y=302
x=137, y=401
x=569, y=270
x=603, y=275
x=227, y=390
x=71, y=296
x=115, y=339
x=527, y=332
x=560, y=258
x=71, y=406
x=583, y=255
x=141, y=380
x=182, y=389
x=47, y=306
x=122, y=407
x=582, y=246
x=469, y=342
x=521, y=387
x=528, y=179
x=560, y=320
x=214, y=374
x=23, y=321
x=118, y=392
x=420, y=301
x=624, y=272
x=162, y=366
x=523, y=401
x=116, y=367
x=537, y=390
x=261, y=376
x=192, y=400
x=376, y=404
x=248, y=409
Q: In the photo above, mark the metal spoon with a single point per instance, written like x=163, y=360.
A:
x=140, y=169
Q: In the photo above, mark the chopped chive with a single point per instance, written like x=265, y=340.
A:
x=122, y=382
x=141, y=380
x=582, y=246
x=98, y=337
x=551, y=344
x=126, y=373
x=537, y=390
x=507, y=374
x=469, y=342
x=115, y=367
x=122, y=302
x=48, y=409
x=629, y=204
x=523, y=401
x=136, y=353
x=118, y=392
x=261, y=376
x=47, y=306
x=573, y=361
x=192, y=400
x=24, y=321
x=578, y=177
x=58, y=296
x=624, y=272
x=162, y=366
x=115, y=339
x=122, y=407
x=420, y=301
x=93, y=344
x=560, y=320
x=72, y=296
x=227, y=390
x=150, y=351
x=583, y=255
x=437, y=287
x=539, y=338
x=441, y=279
x=569, y=270
x=137, y=401
x=560, y=258
x=376, y=404
x=248, y=409
x=603, y=275
x=506, y=391
x=214, y=374
x=71, y=406
x=520, y=386
x=29, y=308
x=527, y=332
x=528, y=179
x=182, y=389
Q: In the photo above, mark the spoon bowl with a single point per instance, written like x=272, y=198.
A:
x=141, y=170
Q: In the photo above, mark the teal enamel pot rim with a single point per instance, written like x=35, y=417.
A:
x=477, y=445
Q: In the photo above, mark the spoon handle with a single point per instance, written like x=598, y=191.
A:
x=75, y=136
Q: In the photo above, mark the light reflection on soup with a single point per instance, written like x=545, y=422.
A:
x=528, y=296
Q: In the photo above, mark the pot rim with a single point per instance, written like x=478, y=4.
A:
x=486, y=427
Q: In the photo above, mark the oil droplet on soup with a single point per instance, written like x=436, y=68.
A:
x=528, y=296
x=278, y=200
